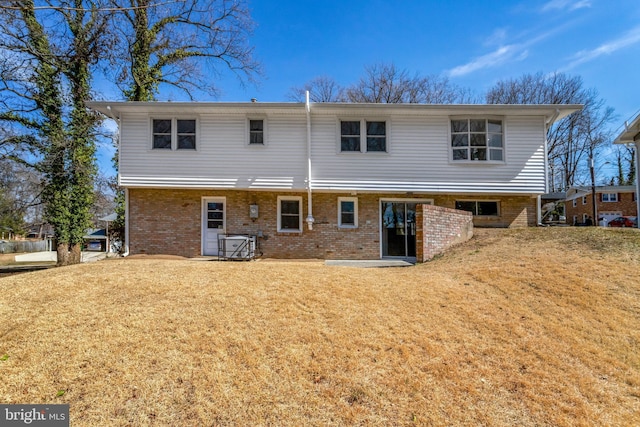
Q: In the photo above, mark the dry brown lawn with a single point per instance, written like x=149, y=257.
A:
x=535, y=327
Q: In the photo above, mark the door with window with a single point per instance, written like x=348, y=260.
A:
x=398, y=228
x=213, y=223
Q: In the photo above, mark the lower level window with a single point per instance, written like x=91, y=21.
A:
x=290, y=213
x=347, y=212
x=478, y=207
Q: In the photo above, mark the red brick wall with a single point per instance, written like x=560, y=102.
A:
x=439, y=228
x=166, y=221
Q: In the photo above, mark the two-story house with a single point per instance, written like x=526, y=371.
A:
x=323, y=180
x=612, y=201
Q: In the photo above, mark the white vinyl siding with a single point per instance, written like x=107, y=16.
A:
x=417, y=158
x=223, y=158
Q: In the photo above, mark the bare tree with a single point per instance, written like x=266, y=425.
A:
x=385, y=84
x=321, y=89
x=625, y=162
x=575, y=139
x=184, y=44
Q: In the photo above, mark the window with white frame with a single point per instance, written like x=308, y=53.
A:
x=347, y=212
x=584, y=200
x=479, y=207
x=363, y=136
x=574, y=202
x=477, y=140
x=609, y=197
x=257, y=131
x=290, y=214
x=173, y=134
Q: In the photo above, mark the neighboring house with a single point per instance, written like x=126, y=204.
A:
x=324, y=180
x=612, y=201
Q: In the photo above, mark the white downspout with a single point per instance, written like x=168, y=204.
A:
x=310, y=219
x=126, y=222
x=126, y=191
x=548, y=124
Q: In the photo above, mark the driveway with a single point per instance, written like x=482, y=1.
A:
x=52, y=256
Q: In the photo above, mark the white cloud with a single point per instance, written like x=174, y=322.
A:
x=496, y=38
x=497, y=57
x=629, y=39
x=570, y=5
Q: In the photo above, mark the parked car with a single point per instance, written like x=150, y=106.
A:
x=624, y=221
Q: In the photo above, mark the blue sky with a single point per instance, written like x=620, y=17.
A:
x=474, y=43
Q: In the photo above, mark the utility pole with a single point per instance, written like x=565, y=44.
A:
x=593, y=190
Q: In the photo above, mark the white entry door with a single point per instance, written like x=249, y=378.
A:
x=213, y=223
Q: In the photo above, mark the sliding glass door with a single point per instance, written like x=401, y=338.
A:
x=398, y=228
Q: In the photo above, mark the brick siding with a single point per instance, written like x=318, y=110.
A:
x=167, y=221
x=439, y=228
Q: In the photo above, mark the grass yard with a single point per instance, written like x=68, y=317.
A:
x=533, y=327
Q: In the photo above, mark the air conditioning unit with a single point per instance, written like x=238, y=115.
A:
x=238, y=247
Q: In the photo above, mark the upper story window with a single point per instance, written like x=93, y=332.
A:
x=347, y=212
x=257, y=131
x=477, y=140
x=363, y=136
x=609, y=197
x=584, y=200
x=174, y=134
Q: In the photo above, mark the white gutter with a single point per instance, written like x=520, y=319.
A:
x=309, y=219
x=547, y=124
x=126, y=191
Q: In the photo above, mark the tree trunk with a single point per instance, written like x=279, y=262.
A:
x=63, y=254
x=68, y=254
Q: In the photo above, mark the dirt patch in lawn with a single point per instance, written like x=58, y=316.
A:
x=535, y=327
x=6, y=259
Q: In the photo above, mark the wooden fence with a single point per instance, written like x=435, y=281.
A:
x=17, y=246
